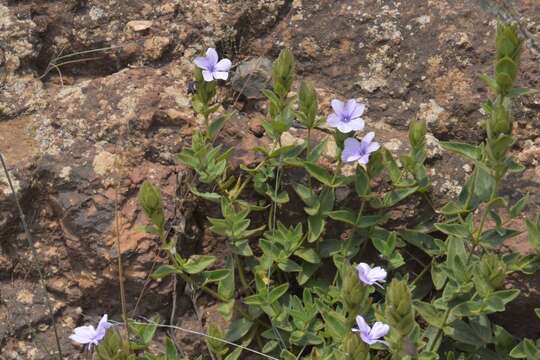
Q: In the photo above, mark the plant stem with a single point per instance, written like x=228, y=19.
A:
x=120, y=265
x=39, y=266
x=476, y=240
x=241, y=273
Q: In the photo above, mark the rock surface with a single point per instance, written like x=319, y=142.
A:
x=93, y=101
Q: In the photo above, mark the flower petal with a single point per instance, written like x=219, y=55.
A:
x=80, y=339
x=363, y=270
x=223, y=65
x=207, y=75
x=358, y=110
x=374, y=146
x=368, y=138
x=83, y=334
x=364, y=159
x=367, y=339
x=332, y=120
x=379, y=330
x=104, y=323
x=356, y=124
x=338, y=107
x=346, y=127
x=349, y=107
x=362, y=324
x=223, y=75
x=377, y=274
x=212, y=56
x=351, y=151
x=202, y=62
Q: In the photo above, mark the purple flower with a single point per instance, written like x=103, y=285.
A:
x=369, y=275
x=359, y=151
x=371, y=335
x=212, y=69
x=346, y=116
x=88, y=335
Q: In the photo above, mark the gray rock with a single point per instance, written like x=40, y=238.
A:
x=252, y=76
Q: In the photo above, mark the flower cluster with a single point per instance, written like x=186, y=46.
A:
x=347, y=118
x=371, y=276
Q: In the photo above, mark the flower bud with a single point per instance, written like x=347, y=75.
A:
x=354, y=295
x=150, y=200
x=399, y=314
x=417, y=133
x=508, y=42
x=500, y=121
x=308, y=104
x=492, y=270
x=283, y=73
x=354, y=348
x=509, y=47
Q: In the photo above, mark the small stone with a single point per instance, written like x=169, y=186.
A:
x=251, y=77
x=139, y=25
x=155, y=47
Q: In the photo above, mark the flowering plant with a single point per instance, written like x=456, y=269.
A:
x=294, y=288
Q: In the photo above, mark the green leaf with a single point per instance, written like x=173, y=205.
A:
x=361, y=181
x=235, y=354
x=526, y=349
x=495, y=237
x=468, y=151
x=170, y=350
x=393, y=197
x=335, y=324
x=458, y=230
x=466, y=334
x=209, y=196
x=429, y=313
x=391, y=166
x=215, y=275
x=316, y=152
x=198, y=263
x=215, y=126
x=238, y=329
x=534, y=235
x=346, y=216
x=518, y=207
x=287, y=355
x=319, y=173
x=309, y=255
x=289, y=265
x=424, y=242
x=163, y=271
x=515, y=92
x=315, y=227
x=277, y=292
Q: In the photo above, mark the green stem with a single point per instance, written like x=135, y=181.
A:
x=422, y=273
x=440, y=331
x=241, y=273
x=476, y=240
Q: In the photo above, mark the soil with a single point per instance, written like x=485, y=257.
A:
x=94, y=100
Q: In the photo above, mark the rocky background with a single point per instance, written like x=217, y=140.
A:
x=93, y=101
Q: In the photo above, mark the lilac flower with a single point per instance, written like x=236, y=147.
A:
x=212, y=69
x=359, y=151
x=88, y=335
x=369, y=275
x=371, y=335
x=346, y=116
